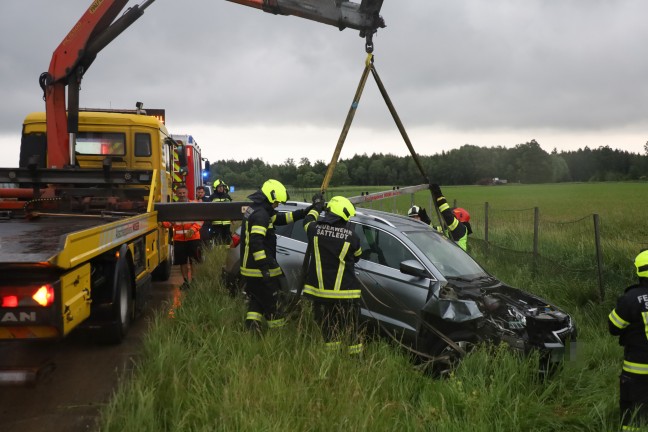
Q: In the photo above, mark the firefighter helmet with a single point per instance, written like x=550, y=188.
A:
x=461, y=214
x=342, y=207
x=413, y=211
x=274, y=191
x=641, y=263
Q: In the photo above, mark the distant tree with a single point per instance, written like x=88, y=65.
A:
x=340, y=175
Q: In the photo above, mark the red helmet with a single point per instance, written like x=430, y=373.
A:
x=461, y=214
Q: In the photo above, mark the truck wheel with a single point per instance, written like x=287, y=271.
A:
x=162, y=272
x=122, y=312
x=447, y=359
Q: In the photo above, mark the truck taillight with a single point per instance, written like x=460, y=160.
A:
x=44, y=296
x=10, y=301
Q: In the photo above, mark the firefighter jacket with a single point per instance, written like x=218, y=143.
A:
x=258, y=238
x=333, y=249
x=182, y=230
x=458, y=231
x=629, y=321
x=220, y=197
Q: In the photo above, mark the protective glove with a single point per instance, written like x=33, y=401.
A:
x=189, y=233
x=424, y=216
x=265, y=272
x=436, y=191
x=318, y=202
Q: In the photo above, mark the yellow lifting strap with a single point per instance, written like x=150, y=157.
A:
x=347, y=123
x=370, y=67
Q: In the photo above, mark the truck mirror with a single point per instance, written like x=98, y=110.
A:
x=182, y=156
x=206, y=165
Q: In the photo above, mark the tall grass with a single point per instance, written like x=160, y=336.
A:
x=201, y=371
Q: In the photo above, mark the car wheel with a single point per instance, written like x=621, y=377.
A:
x=447, y=358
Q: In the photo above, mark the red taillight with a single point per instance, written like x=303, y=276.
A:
x=10, y=301
x=45, y=295
x=236, y=239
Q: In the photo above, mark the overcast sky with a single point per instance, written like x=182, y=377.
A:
x=567, y=73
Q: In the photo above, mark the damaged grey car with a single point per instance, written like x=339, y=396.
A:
x=426, y=293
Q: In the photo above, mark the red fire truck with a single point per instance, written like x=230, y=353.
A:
x=188, y=166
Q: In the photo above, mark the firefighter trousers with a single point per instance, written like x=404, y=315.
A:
x=263, y=303
x=633, y=397
x=338, y=321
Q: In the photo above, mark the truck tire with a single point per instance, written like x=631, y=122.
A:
x=122, y=309
x=162, y=272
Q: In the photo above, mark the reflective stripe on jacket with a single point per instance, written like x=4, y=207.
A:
x=334, y=250
x=220, y=198
x=258, y=238
x=629, y=321
x=458, y=231
x=181, y=230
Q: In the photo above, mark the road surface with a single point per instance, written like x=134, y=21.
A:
x=77, y=375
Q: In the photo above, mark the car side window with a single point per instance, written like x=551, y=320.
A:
x=298, y=232
x=381, y=247
x=283, y=230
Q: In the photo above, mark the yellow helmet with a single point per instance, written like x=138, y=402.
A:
x=342, y=207
x=641, y=262
x=274, y=191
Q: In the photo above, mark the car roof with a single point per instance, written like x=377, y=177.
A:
x=365, y=215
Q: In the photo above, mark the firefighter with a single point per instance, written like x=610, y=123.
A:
x=259, y=266
x=457, y=219
x=186, y=241
x=330, y=282
x=220, y=230
x=628, y=321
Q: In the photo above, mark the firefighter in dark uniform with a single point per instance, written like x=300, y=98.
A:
x=457, y=219
x=258, y=254
x=629, y=321
x=220, y=230
x=330, y=282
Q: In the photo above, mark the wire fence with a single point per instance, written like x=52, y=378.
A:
x=586, y=247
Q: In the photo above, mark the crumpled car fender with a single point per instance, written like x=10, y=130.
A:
x=453, y=310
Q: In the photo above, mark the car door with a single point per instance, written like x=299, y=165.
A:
x=291, y=248
x=390, y=299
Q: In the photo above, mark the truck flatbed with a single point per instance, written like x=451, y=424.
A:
x=25, y=241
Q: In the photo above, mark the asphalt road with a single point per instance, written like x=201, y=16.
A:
x=76, y=376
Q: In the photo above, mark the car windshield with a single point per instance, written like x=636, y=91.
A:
x=450, y=259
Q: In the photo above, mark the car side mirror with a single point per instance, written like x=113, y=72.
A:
x=414, y=268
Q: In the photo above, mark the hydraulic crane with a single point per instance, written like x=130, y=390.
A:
x=98, y=27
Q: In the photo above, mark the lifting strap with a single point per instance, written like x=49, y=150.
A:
x=370, y=67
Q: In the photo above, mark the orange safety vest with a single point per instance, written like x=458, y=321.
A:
x=181, y=229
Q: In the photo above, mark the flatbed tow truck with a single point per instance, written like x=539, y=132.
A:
x=80, y=232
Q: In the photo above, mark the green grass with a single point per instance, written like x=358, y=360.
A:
x=201, y=371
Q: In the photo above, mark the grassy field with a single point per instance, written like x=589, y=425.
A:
x=200, y=371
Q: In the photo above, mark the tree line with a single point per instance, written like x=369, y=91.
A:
x=470, y=164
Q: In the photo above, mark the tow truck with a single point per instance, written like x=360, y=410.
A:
x=80, y=234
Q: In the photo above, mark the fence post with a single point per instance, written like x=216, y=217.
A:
x=411, y=199
x=599, y=257
x=486, y=222
x=536, y=228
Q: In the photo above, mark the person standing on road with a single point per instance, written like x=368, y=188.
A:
x=259, y=266
x=629, y=321
x=204, y=229
x=186, y=241
x=220, y=230
x=330, y=282
x=457, y=219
